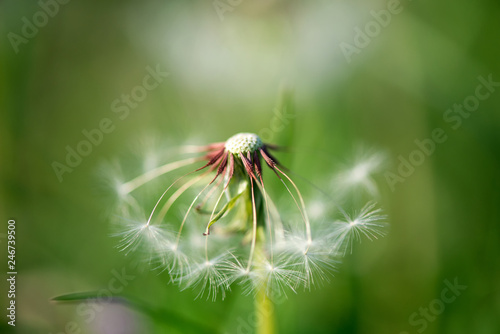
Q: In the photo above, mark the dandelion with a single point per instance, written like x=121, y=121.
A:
x=231, y=232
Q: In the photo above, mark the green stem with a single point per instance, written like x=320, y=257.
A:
x=264, y=307
x=264, y=310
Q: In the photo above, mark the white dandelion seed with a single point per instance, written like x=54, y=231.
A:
x=236, y=271
x=207, y=277
x=314, y=260
x=277, y=278
x=138, y=233
x=369, y=223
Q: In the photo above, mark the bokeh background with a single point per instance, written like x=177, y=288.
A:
x=227, y=66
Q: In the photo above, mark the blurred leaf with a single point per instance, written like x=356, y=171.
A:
x=167, y=317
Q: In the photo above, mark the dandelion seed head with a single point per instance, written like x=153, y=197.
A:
x=217, y=240
x=243, y=143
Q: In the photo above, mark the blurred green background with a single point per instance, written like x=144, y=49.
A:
x=226, y=63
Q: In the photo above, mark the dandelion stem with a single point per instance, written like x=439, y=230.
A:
x=264, y=309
